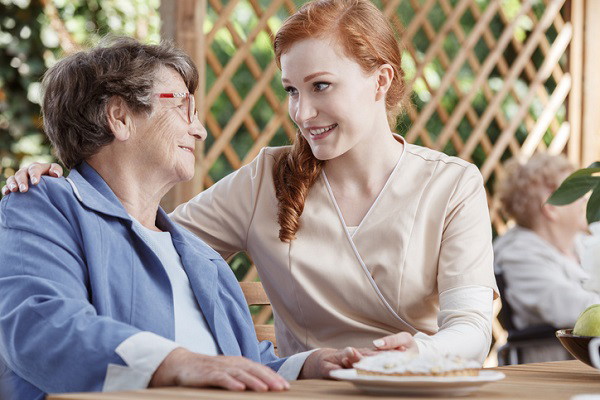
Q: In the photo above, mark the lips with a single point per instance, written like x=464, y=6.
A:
x=317, y=133
x=186, y=148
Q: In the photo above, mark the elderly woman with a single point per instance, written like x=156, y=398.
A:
x=100, y=291
x=538, y=257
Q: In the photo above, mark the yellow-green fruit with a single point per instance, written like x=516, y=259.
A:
x=588, y=323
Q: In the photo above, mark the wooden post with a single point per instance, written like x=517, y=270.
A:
x=182, y=23
x=575, y=104
x=590, y=143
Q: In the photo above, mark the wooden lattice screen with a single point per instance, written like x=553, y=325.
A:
x=487, y=79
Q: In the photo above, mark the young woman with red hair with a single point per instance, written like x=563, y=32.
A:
x=359, y=237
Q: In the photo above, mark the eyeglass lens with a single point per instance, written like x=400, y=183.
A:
x=191, y=108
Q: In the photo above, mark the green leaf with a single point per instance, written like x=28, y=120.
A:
x=593, y=206
x=589, y=171
x=573, y=188
x=595, y=164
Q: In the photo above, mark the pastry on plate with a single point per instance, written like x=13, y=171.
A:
x=400, y=363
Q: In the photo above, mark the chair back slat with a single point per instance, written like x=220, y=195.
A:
x=255, y=296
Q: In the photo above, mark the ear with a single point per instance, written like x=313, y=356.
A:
x=384, y=75
x=549, y=211
x=119, y=118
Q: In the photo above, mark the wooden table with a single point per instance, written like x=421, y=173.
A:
x=545, y=381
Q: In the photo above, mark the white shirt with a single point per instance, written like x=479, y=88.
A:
x=191, y=329
x=145, y=351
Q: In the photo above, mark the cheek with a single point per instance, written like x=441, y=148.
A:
x=162, y=124
x=292, y=107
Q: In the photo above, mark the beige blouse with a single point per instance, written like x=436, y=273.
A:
x=428, y=231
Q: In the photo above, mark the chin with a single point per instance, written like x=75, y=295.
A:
x=324, y=154
x=185, y=174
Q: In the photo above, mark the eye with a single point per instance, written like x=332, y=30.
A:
x=320, y=86
x=290, y=90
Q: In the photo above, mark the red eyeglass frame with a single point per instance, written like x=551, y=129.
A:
x=191, y=101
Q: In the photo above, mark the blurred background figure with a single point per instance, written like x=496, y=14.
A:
x=539, y=257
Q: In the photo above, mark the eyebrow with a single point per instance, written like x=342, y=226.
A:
x=309, y=77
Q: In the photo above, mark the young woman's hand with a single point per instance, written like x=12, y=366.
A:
x=402, y=341
x=20, y=181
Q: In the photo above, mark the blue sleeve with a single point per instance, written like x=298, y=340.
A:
x=268, y=357
x=50, y=333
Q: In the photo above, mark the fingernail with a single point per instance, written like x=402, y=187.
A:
x=378, y=342
x=4, y=191
x=34, y=180
x=22, y=187
x=12, y=186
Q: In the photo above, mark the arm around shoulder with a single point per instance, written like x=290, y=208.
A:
x=222, y=214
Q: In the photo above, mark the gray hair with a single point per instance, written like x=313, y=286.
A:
x=526, y=185
x=78, y=88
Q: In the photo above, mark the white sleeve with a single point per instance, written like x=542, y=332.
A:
x=290, y=369
x=143, y=353
x=465, y=322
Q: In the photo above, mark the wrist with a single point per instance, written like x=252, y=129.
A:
x=311, y=368
x=305, y=372
x=167, y=373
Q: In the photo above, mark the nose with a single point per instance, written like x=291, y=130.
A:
x=304, y=110
x=197, y=130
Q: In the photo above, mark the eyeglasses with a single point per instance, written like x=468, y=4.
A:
x=191, y=102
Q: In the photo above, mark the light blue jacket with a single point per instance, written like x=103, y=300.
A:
x=77, y=279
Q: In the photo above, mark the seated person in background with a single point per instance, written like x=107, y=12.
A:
x=538, y=257
x=99, y=289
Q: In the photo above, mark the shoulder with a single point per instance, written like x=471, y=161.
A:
x=429, y=156
x=261, y=167
x=521, y=246
x=443, y=174
x=51, y=197
x=268, y=155
x=440, y=163
x=273, y=152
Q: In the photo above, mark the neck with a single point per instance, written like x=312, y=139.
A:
x=139, y=191
x=366, y=165
x=562, y=240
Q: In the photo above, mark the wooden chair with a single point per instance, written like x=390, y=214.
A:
x=256, y=296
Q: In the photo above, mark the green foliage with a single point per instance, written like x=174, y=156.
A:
x=578, y=184
x=30, y=43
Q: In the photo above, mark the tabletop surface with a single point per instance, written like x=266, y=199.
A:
x=547, y=381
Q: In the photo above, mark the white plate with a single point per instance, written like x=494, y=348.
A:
x=418, y=385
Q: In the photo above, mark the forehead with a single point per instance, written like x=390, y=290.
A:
x=167, y=80
x=315, y=55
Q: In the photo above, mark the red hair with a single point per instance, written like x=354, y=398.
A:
x=365, y=37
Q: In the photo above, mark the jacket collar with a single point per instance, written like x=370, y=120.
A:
x=94, y=193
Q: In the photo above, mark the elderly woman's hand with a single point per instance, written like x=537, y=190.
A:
x=402, y=341
x=33, y=172
x=185, y=368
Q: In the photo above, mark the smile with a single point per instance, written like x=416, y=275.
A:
x=320, y=133
x=188, y=149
